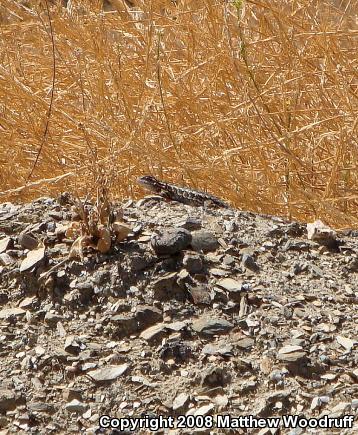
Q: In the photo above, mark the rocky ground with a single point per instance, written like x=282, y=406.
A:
x=197, y=312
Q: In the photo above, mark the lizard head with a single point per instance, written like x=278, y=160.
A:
x=150, y=183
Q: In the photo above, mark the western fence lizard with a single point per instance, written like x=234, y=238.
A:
x=180, y=194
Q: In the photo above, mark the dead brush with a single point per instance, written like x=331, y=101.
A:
x=98, y=227
x=254, y=101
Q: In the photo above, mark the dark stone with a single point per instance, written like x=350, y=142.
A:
x=147, y=315
x=170, y=241
x=193, y=263
x=215, y=377
x=27, y=241
x=178, y=350
x=204, y=241
x=207, y=326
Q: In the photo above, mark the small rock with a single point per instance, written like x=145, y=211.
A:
x=180, y=401
x=318, y=401
x=221, y=400
x=170, y=241
x=72, y=345
x=5, y=244
x=176, y=326
x=207, y=326
x=153, y=332
x=7, y=400
x=7, y=312
x=204, y=241
x=147, y=315
x=6, y=259
x=291, y=354
x=232, y=286
x=204, y=410
x=347, y=343
x=44, y=407
x=290, y=349
x=320, y=233
x=193, y=263
x=245, y=343
x=27, y=241
x=32, y=259
x=52, y=318
x=109, y=373
x=218, y=349
x=76, y=406
x=28, y=302
x=200, y=294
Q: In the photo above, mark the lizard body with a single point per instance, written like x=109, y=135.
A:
x=178, y=193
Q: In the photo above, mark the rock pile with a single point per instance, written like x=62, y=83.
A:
x=196, y=312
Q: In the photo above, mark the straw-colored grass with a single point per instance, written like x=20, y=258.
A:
x=255, y=101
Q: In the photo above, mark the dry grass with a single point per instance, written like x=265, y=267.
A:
x=255, y=101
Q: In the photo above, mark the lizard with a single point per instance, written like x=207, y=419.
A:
x=184, y=195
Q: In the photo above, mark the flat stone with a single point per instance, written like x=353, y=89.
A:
x=290, y=349
x=345, y=342
x=153, y=332
x=46, y=408
x=209, y=326
x=176, y=326
x=245, y=343
x=180, y=401
x=204, y=241
x=32, y=259
x=5, y=244
x=230, y=285
x=170, y=241
x=7, y=312
x=218, y=349
x=109, y=373
x=292, y=357
x=76, y=406
x=204, y=410
x=28, y=302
